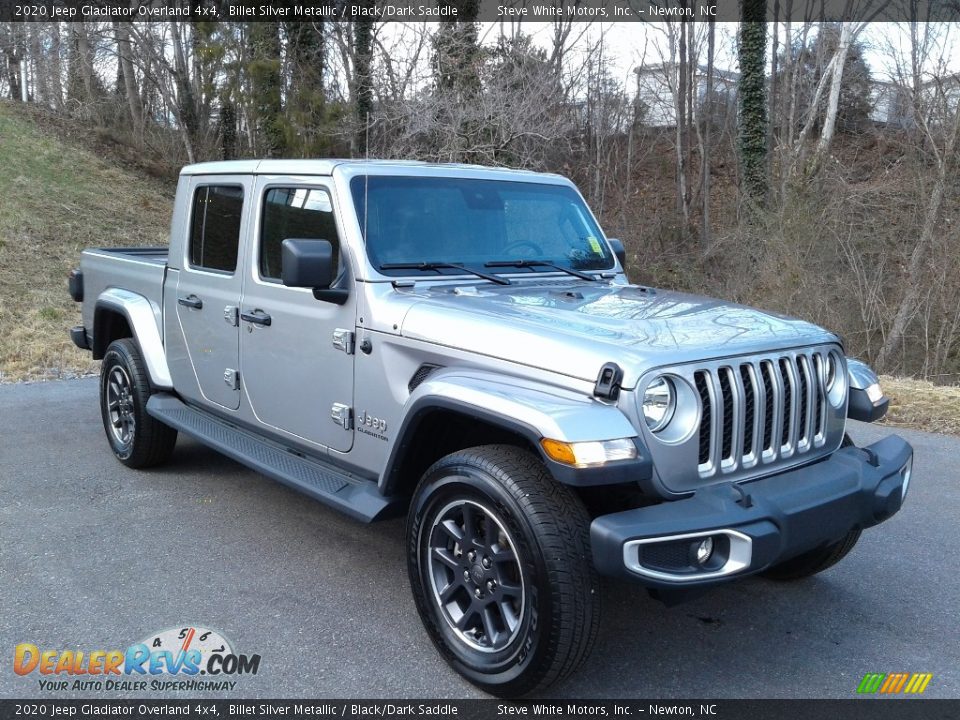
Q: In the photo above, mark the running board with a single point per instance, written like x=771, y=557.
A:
x=358, y=498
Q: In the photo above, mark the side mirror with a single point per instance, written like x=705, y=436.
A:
x=307, y=263
x=311, y=264
x=619, y=251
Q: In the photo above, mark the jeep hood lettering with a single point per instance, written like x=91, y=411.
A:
x=575, y=328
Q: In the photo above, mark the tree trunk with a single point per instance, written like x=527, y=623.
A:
x=915, y=272
x=683, y=209
x=306, y=104
x=122, y=32
x=55, y=80
x=363, y=94
x=266, y=86
x=705, y=231
x=753, y=102
x=833, y=101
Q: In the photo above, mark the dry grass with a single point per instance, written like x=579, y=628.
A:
x=58, y=198
x=922, y=405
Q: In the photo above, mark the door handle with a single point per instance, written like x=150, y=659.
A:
x=257, y=317
x=191, y=301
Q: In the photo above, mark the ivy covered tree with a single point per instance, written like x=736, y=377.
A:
x=752, y=140
x=265, y=77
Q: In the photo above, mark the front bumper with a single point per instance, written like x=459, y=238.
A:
x=754, y=524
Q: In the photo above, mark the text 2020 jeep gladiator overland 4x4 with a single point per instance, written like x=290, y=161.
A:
x=461, y=344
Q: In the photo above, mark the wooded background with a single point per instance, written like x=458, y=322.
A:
x=796, y=177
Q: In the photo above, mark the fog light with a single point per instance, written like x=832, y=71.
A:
x=704, y=550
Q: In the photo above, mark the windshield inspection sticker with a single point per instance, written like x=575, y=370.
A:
x=168, y=660
x=595, y=245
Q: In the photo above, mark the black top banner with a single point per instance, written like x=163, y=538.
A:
x=481, y=10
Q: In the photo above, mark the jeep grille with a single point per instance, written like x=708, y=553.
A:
x=761, y=410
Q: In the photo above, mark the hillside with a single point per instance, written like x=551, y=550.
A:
x=59, y=198
x=65, y=189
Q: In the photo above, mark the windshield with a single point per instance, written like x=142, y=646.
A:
x=474, y=222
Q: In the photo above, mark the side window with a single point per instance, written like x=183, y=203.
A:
x=301, y=213
x=215, y=227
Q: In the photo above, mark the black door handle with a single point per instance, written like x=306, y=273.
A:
x=191, y=301
x=257, y=317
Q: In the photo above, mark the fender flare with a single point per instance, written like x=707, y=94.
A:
x=528, y=409
x=143, y=319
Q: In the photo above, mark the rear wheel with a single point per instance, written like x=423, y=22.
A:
x=137, y=439
x=499, y=563
x=814, y=561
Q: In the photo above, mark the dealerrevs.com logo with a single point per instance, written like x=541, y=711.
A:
x=190, y=658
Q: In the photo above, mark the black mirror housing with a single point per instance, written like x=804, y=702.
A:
x=619, y=251
x=307, y=263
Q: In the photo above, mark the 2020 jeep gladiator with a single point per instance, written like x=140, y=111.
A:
x=461, y=344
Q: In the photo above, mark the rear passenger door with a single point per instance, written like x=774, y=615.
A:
x=208, y=287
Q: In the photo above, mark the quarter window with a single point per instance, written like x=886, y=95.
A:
x=300, y=213
x=215, y=227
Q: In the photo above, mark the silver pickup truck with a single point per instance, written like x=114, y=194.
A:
x=461, y=344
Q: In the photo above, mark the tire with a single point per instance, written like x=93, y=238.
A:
x=814, y=561
x=542, y=612
x=137, y=439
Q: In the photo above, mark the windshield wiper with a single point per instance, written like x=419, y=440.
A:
x=441, y=265
x=539, y=263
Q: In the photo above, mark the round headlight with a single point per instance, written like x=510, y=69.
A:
x=831, y=370
x=835, y=379
x=658, y=403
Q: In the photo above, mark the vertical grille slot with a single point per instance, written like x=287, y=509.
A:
x=749, y=408
x=706, y=418
x=802, y=432
x=726, y=394
x=787, y=414
x=766, y=373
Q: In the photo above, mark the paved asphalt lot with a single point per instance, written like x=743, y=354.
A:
x=96, y=556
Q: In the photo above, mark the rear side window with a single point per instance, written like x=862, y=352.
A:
x=298, y=213
x=215, y=228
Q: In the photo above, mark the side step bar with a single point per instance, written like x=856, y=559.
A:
x=358, y=498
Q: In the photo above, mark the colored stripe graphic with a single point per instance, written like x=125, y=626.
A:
x=918, y=683
x=893, y=683
x=871, y=682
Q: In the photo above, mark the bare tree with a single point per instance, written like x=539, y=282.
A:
x=935, y=103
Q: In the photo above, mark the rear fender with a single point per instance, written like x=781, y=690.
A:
x=142, y=317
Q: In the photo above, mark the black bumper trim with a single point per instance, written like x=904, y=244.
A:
x=79, y=336
x=789, y=513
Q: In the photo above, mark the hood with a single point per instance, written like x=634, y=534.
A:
x=573, y=328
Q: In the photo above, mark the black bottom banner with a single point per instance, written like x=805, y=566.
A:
x=867, y=709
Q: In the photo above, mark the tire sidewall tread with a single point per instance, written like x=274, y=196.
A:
x=152, y=442
x=551, y=526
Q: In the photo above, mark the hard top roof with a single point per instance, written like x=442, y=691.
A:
x=326, y=167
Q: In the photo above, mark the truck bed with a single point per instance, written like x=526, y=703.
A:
x=153, y=255
x=139, y=270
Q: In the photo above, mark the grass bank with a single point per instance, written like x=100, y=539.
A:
x=59, y=197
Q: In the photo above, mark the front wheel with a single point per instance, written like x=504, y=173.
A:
x=499, y=561
x=137, y=439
